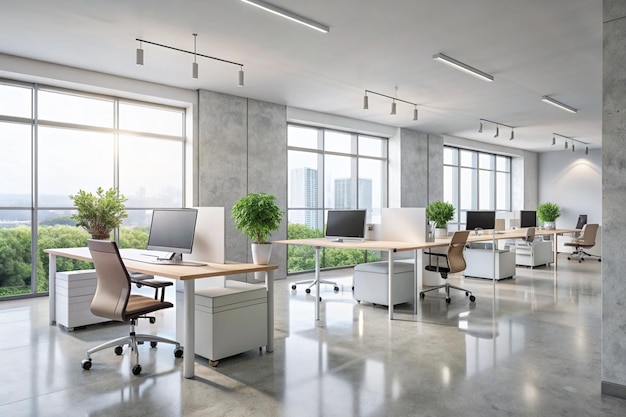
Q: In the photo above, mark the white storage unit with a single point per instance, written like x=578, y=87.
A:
x=74, y=291
x=371, y=282
x=230, y=319
x=539, y=253
x=480, y=263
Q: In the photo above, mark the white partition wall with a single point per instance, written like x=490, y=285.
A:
x=406, y=224
x=209, y=243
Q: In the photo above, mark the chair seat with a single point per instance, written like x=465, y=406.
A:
x=578, y=245
x=139, y=305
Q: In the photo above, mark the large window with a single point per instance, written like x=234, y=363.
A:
x=475, y=181
x=55, y=142
x=329, y=169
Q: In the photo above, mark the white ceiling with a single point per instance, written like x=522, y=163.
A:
x=531, y=47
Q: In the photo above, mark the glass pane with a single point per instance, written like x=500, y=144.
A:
x=372, y=188
x=370, y=146
x=503, y=163
x=468, y=189
x=134, y=230
x=451, y=188
x=70, y=160
x=16, y=101
x=303, y=224
x=338, y=142
x=304, y=179
x=450, y=156
x=155, y=179
x=15, y=165
x=15, y=253
x=56, y=230
x=485, y=161
x=72, y=108
x=303, y=137
x=468, y=158
x=486, y=190
x=151, y=119
x=340, y=182
x=503, y=191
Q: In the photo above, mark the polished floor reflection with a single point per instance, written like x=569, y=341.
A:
x=532, y=350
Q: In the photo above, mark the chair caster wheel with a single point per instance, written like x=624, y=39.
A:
x=136, y=369
x=422, y=295
x=118, y=350
x=467, y=293
x=308, y=291
x=472, y=298
x=293, y=287
x=448, y=300
x=599, y=260
x=86, y=364
x=320, y=299
x=153, y=344
x=178, y=353
x=152, y=320
x=569, y=258
x=336, y=289
x=353, y=288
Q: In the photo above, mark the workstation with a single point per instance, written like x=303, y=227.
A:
x=339, y=120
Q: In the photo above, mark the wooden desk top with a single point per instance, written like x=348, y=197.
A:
x=405, y=246
x=171, y=271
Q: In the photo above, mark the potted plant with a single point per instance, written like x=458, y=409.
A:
x=99, y=213
x=440, y=213
x=548, y=213
x=257, y=215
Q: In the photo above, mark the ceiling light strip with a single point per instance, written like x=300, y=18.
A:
x=463, y=67
x=288, y=15
x=556, y=103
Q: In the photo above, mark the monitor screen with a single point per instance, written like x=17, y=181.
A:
x=172, y=230
x=582, y=220
x=346, y=223
x=528, y=218
x=482, y=219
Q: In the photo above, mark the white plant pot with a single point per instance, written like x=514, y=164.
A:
x=549, y=225
x=261, y=253
x=441, y=232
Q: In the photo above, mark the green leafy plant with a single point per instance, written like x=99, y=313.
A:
x=548, y=212
x=99, y=213
x=440, y=213
x=257, y=215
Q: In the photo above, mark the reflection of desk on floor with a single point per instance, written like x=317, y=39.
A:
x=187, y=274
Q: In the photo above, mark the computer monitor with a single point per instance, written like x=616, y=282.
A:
x=582, y=220
x=345, y=224
x=172, y=230
x=483, y=219
x=528, y=218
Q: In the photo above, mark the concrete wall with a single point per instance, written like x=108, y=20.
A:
x=614, y=200
x=242, y=148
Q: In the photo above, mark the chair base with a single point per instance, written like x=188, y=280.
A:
x=447, y=286
x=132, y=340
x=580, y=254
x=313, y=282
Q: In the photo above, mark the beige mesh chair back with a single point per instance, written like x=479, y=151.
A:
x=455, y=262
x=529, y=237
x=113, y=300
x=586, y=240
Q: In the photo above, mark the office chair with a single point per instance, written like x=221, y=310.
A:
x=455, y=263
x=114, y=301
x=587, y=239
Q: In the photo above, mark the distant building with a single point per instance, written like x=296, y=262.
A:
x=303, y=193
x=345, y=195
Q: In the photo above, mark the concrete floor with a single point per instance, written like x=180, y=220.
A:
x=533, y=350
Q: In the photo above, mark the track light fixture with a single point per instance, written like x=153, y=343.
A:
x=393, y=102
x=288, y=15
x=570, y=139
x=480, y=128
x=556, y=103
x=463, y=67
x=194, y=65
x=139, y=55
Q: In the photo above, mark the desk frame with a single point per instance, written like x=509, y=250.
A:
x=391, y=247
x=187, y=274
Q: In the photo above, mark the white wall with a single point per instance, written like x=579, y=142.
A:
x=572, y=180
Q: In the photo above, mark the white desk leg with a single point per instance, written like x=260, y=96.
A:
x=269, y=283
x=317, y=279
x=52, y=275
x=190, y=319
x=555, y=249
x=390, y=284
x=418, y=276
